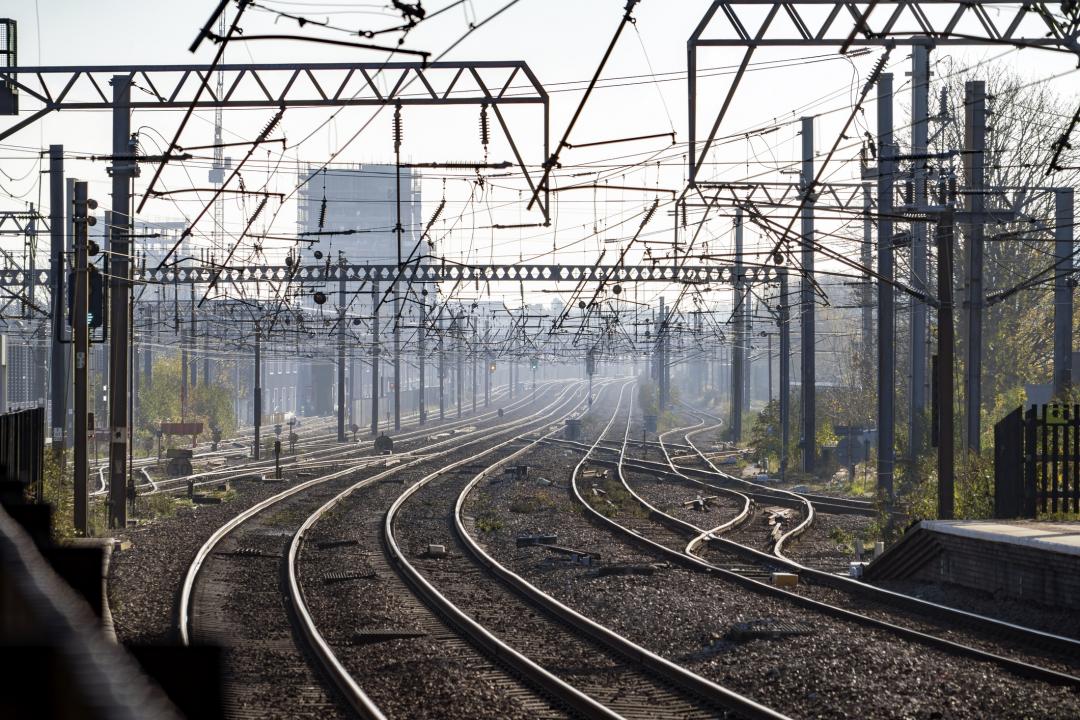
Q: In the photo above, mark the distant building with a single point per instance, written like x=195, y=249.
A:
x=361, y=201
x=350, y=214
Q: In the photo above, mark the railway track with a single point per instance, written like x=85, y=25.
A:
x=229, y=596
x=323, y=441
x=1022, y=651
x=877, y=602
x=325, y=448
x=537, y=640
x=649, y=685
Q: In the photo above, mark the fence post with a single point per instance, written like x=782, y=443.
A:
x=1029, y=462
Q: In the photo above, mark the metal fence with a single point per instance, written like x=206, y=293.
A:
x=1037, y=461
x=22, y=448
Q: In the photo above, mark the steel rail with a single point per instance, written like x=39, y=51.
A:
x=1013, y=631
x=187, y=588
x=464, y=624
x=1018, y=667
x=669, y=671
x=346, y=684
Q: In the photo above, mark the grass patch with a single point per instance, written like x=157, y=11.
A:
x=615, y=501
x=527, y=502
x=488, y=519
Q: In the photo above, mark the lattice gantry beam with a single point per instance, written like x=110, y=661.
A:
x=762, y=23
x=675, y=274
x=17, y=222
x=284, y=84
x=755, y=24
x=836, y=197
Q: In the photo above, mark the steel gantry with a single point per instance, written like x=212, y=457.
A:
x=756, y=24
x=123, y=89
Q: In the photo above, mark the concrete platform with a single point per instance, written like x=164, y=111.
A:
x=1061, y=537
x=1023, y=560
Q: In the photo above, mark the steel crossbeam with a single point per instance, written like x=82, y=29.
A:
x=890, y=22
x=16, y=222
x=73, y=87
x=839, y=197
x=678, y=274
x=284, y=85
x=755, y=24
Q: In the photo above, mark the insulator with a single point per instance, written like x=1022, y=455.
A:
x=684, y=215
x=485, y=130
x=875, y=73
x=258, y=211
x=649, y=214
x=397, y=128
x=322, y=214
x=435, y=215
x=271, y=125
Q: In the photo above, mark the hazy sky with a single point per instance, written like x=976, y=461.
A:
x=561, y=40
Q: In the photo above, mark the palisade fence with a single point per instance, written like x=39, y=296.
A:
x=1037, y=461
x=22, y=449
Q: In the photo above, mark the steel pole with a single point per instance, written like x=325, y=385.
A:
x=421, y=352
x=1063, y=291
x=885, y=302
x=81, y=338
x=920, y=114
x=341, y=356
x=58, y=390
x=975, y=174
x=442, y=370
x=123, y=169
x=256, y=397
x=374, y=358
x=459, y=383
x=944, y=367
x=807, y=356
x=739, y=340
x=784, y=320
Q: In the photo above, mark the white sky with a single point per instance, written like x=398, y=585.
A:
x=561, y=40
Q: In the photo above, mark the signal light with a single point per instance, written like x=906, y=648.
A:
x=95, y=309
x=491, y=366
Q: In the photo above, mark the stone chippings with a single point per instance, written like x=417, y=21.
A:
x=839, y=670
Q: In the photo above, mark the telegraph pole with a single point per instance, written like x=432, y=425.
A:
x=785, y=371
x=885, y=302
x=442, y=370
x=487, y=370
x=737, y=355
x=975, y=175
x=398, y=231
x=123, y=170
x=944, y=365
x=341, y=352
x=421, y=347
x=256, y=398
x=475, y=360
x=867, y=259
x=1063, y=290
x=374, y=358
x=920, y=129
x=81, y=337
x=58, y=359
x=662, y=340
x=459, y=384
x=806, y=315
x=747, y=347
